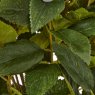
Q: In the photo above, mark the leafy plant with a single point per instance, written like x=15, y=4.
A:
x=32, y=31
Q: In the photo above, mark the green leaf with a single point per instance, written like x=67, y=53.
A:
x=42, y=12
x=78, y=43
x=93, y=72
x=15, y=11
x=22, y=29
x=60, y=88
x=61, y=23
x=74, y=66
x=7, y=33
x=79, y=14
x=41, y=39
x=86, y=26
x=41, y=78
x=18, y=57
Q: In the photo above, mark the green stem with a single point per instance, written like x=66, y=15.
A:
x=16, y=91
x=3, y=78
x=47, y=50
x=69, y=86
x=67, y=82
x=49, y=27
x=51, y=48
x=9, y=85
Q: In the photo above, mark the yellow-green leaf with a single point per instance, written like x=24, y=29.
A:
x=41, y=39
x=22, y=29
x=79, y=14
x=14, y=91
x=7, y=33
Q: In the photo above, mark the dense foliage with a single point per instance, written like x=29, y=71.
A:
x=32, y=32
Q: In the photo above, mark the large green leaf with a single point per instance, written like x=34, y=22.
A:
x=60, y=88
x=74, y=66
x=7, y=33
x=86, y=26
x=18, y=57
x=41, y=78
x=77, y=42
x=42, y=12
x=15, y=11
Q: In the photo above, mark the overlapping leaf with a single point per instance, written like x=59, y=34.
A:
x=18, y=57
x=15, y=11
x=79, y=14
x=77, y=42
x=61, y=23
x=42, y=12
x=74, y=66
x=41, y=78
x=22, y=29
x=41, y=39
x=59, y=89
x=7, y=33
x=86, y=26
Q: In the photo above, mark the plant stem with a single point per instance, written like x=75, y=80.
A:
x=9, y=85
x=4, y=78
x=48, y=28
x=51, y=48
x=67, y=82
x=47, y=50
